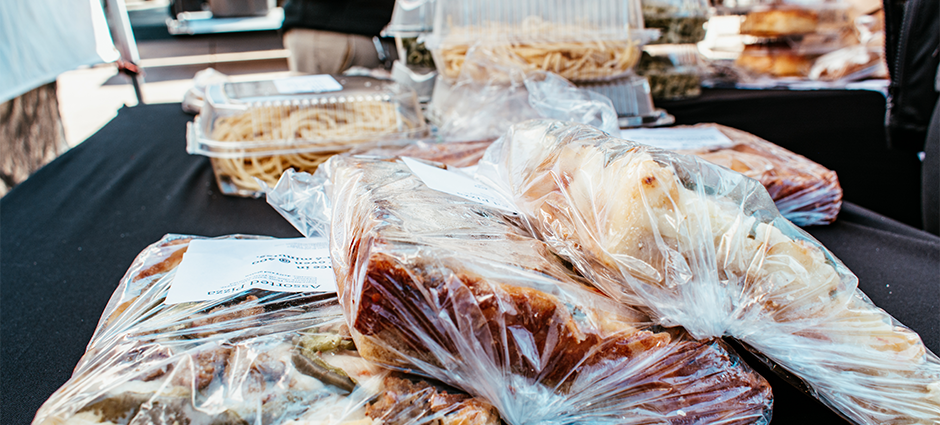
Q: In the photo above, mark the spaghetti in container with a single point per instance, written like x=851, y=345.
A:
x=579, y=40
x=254, y=131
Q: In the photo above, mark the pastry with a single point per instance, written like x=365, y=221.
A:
x=779, y=22
x=773, y=60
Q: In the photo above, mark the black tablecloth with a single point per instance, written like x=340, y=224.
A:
x=70, y=232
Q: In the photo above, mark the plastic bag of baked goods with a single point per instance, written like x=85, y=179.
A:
x=804, y=192
x=705, y=248
x=454, y=289
x=252, y=357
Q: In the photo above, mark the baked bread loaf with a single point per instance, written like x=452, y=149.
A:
x=705, y=249
x=448, y=288
x=779, y=22
x=777, y=61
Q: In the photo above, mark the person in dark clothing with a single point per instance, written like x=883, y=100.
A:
x=912, y=50
x=328, y=37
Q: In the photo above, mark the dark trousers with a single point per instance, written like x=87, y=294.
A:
x=930, y=197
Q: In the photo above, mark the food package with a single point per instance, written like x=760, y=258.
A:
x=254, y=357
x=803, y=191
x=253, y=131
x=452, y=154
x=674, y=71
x=579, y=40
x=449, y=288
x=477, y=109
x=857, y=61
x=705, y=249
x=679, y=21
x=784, y=40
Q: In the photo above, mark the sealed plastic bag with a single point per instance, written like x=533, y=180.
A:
x=452, y=289
x=705, y=248
x=255, y=357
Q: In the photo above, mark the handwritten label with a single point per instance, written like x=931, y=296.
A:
x=458, y=184
x=216, y=268
x=677, y=139
x=307, y=84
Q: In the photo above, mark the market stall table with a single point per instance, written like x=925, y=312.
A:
x=71, y=231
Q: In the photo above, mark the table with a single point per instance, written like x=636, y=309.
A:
x=70, y=232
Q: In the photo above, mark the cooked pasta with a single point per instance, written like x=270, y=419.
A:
x=576, y=61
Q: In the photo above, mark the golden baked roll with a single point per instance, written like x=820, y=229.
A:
x=774, y=61
x=779, y=22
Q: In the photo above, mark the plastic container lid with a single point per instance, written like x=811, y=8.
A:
x=411, y=18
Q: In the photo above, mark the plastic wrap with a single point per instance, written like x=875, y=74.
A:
x=255, y=357
x=452, y=154
x=476, y=109
x=455, y=290
x=706, y=249
x=255, y=130
x=804, y=192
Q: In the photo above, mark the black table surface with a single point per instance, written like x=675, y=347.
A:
x=72, y=229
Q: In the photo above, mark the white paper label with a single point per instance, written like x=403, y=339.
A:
x=457, y=184
x=677, y=139
x=307, y=84
x=215, y=268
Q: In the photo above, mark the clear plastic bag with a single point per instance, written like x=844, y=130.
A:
x=804, y=192
x=256, y=357
x=704, y=248
x=501, y=93
x=448, y=288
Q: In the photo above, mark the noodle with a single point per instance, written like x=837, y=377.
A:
x=311, y=135
x=576, y=61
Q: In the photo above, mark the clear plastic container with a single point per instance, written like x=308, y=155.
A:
x=579, y=40
x=411, y=18
x=632, y=100
x=254, y=131
x=674, y=71
x=680, y=21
